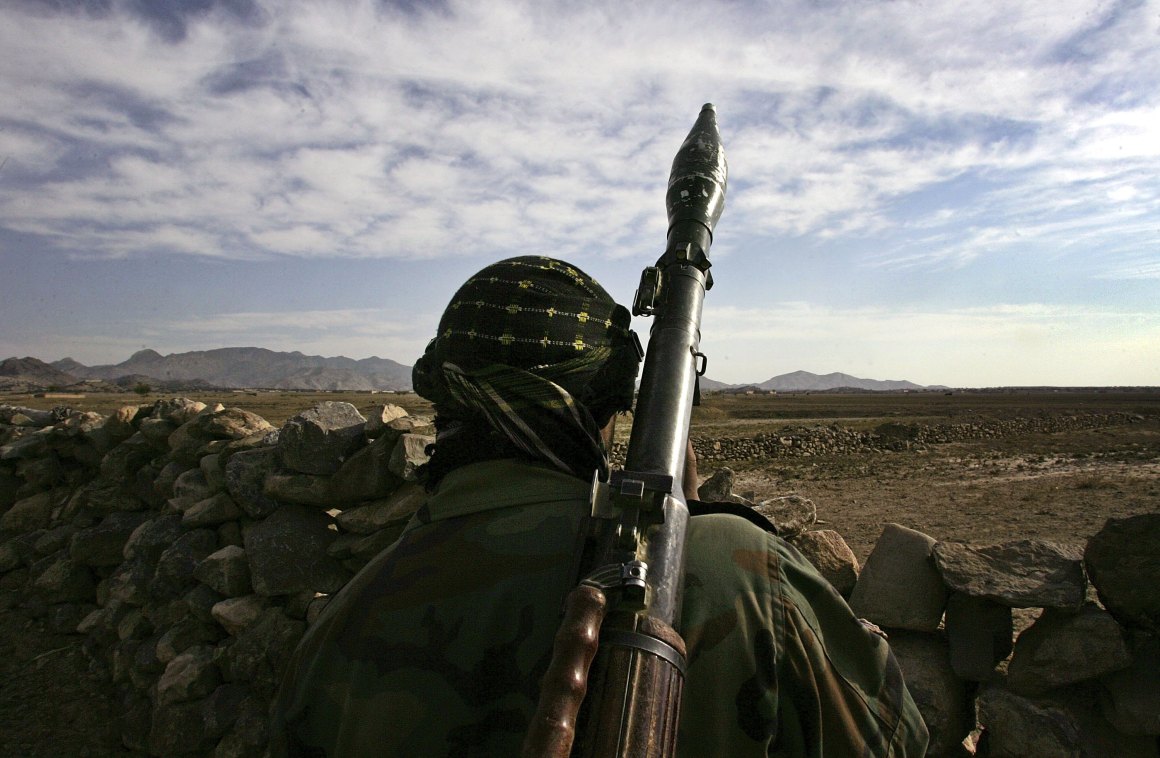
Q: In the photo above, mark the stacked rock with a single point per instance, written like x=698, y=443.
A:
x=812, y=441
x=1079, y=681
x=192, y=545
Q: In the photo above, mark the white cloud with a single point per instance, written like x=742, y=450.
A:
x=327, y=95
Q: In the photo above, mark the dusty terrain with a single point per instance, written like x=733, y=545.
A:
x=1061, y=486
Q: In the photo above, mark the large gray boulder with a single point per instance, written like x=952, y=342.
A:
x=792, y=514
x=303, y=489
x=129, y=582
x=245, y=476
x=189, y=487
x=177, y=563
x=378, y=420
x=899, y=586
x=187, y=633
x=287, y=553
x=831, y=556
x=1063, y=647
x=1123, y=561
x=409, y=454
x=166, y=477
x=366, y=475
x=1018, y=726
x=1021, y=574
x=317, y=441
x=1066, y=724
x=104, y=544
x=1130, y=698
x=190, y=675
x=941, y=696
x=408, y=425
x=259, y=653
x=214, y=468
x=235, y=614
x=119, y=424
x=227, y=571
x=234, y=424
x=213, y=510
x=123, y=461
x=157, y=431
x=31, y=513
x=178, y=410
x=64, y=581
x=149, y=540
x=28, y=447
x=379, y=514
x=194, y=439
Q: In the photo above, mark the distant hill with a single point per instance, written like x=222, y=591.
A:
x=804, y=381
x=237, y=367
x=35, y=370
x=708, y=385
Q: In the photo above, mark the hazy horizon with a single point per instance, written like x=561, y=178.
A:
x=941, y=385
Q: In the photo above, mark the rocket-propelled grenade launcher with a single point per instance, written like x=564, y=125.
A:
x=614, y=685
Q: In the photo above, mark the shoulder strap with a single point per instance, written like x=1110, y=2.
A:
x=699, y=508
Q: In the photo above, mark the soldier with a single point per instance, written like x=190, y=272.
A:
x=438, y=646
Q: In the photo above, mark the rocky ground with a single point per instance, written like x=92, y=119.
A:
x=1060, y=487
x=1054, y=485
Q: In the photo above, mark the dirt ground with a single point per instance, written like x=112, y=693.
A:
x=1060, y=486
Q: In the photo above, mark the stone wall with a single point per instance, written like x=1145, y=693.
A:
x=1081, y=680
x=191, y=546
x=804, y=441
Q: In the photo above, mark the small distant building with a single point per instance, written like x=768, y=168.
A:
x=749, y=389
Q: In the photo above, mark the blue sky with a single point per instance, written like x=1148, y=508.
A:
x=959, y=194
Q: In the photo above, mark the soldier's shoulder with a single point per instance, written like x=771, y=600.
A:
x=722, y=529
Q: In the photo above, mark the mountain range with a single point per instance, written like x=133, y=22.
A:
x=226, y=368
x=799, y=381
x=254, y=367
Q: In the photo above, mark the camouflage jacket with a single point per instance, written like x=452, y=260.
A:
x=437, y=647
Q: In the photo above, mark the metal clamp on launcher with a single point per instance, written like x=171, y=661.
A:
x=629, y=503
x=648, y=292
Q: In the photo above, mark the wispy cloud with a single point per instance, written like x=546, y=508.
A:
x=353, y=128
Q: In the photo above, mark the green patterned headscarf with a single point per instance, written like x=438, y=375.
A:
x=535, y=349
